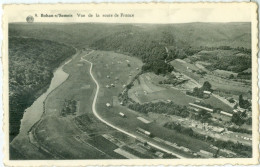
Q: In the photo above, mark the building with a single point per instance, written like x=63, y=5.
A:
x=218, y=129
x=206, y=94
x=201, y=107
x=206, y=153
x=225, y=113
x=108, y=105
x=159, y=154
x=122, y=114
x=141, y=141
x=140, y=130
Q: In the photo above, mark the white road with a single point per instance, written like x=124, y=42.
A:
x=113, y=126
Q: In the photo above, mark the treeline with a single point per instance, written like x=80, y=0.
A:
x=231, y=62
x=31, y=63
x=240, y=130
x=161, y=108
x=235, y=147
x=241, y=49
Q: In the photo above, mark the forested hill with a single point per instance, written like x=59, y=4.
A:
x=31, y=63
x=191, y=34
x=154, y=44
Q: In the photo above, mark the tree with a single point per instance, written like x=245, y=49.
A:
x=237, y=119
x=206, y=86
x=231, y=76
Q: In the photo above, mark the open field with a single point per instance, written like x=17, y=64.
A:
x=130, y=122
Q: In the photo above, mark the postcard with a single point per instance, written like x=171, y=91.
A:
x=130, y=84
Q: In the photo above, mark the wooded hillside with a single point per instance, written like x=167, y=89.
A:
x=31, y=63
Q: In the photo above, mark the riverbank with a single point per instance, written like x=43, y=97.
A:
x=30, y=72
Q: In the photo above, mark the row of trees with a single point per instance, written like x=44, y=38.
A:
x=241, y=49
x=161, y=108
x=227, y=62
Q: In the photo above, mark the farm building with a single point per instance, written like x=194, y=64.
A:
x=141, y=141
x=201, y=107
x=140, y=130
x=168, y=101
x=225, y=113
x=218, y=129
x=159, y=154
x=206, y=153
x=122, y=114
x=206, y=94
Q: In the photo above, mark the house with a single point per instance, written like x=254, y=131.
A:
x=206, y=153
x=159, y=154
x=168, y=101
x=122, y=114
x=206, y=94
x=218, y=129
x=235, y=111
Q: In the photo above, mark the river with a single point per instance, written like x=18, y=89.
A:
x=33, y=113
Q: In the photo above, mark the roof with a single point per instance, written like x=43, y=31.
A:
x=207, y=92
x=201, y=107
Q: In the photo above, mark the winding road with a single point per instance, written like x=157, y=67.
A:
x=113, y=126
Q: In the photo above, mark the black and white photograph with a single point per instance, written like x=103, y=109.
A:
x=131, y=83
